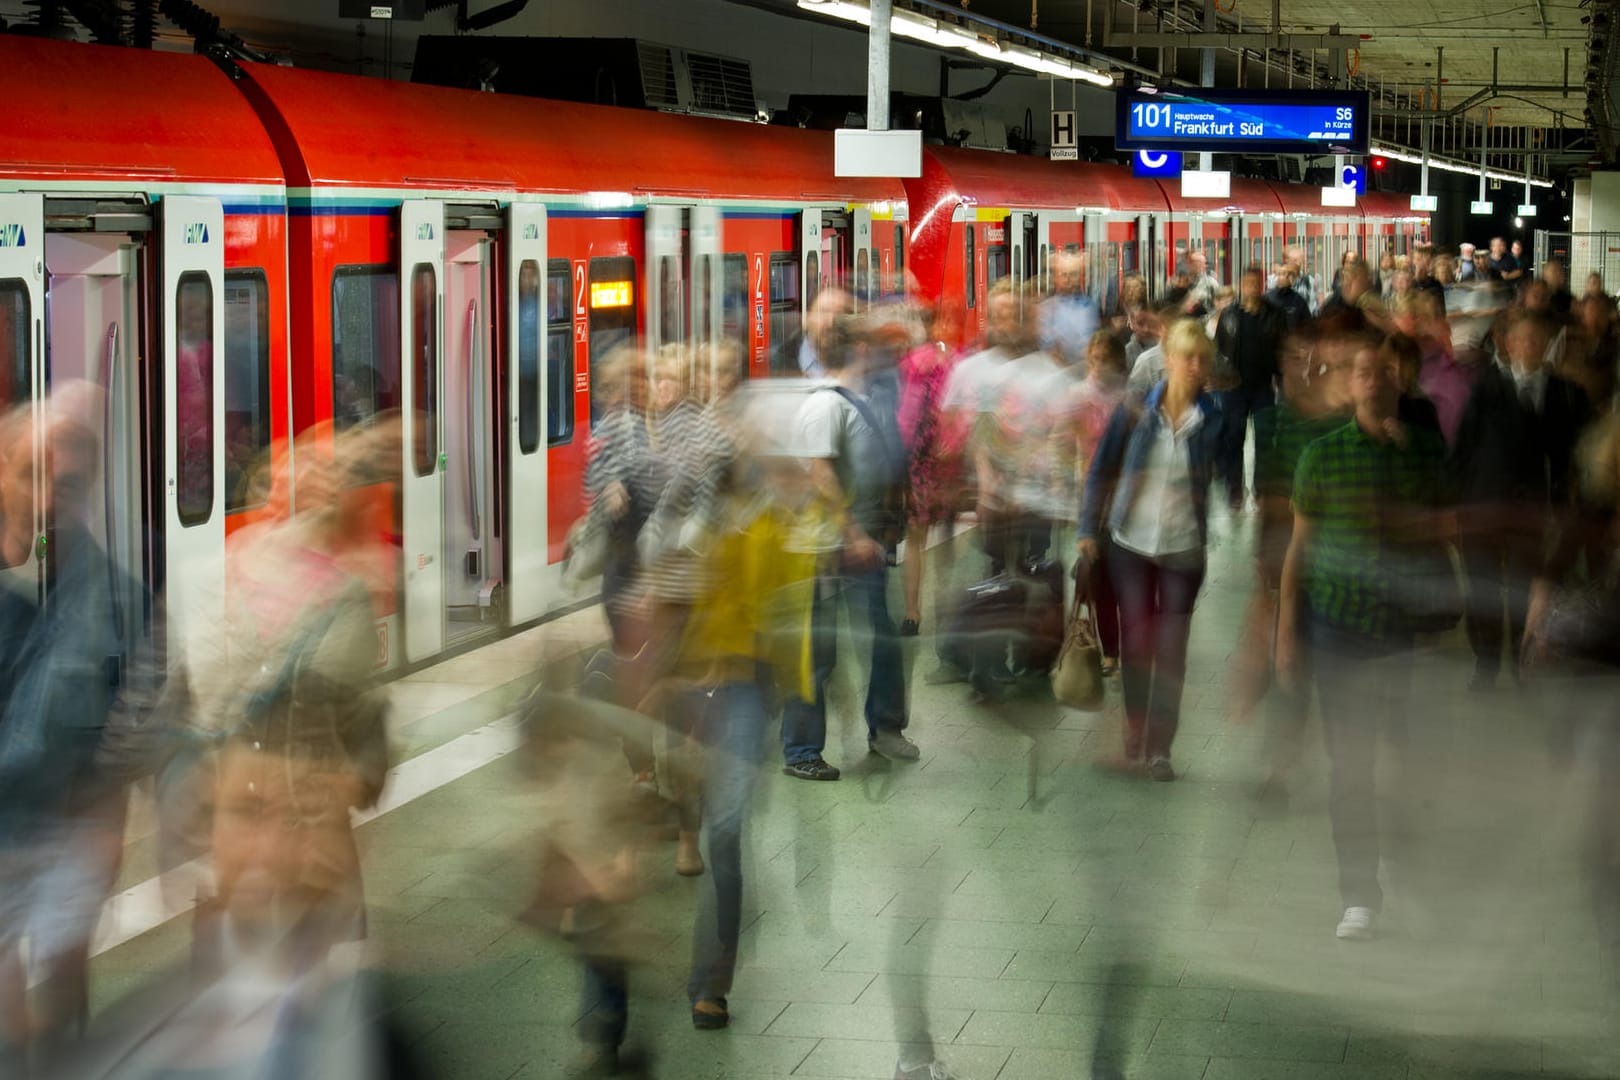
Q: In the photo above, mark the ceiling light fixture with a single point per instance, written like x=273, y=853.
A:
x=929, y=31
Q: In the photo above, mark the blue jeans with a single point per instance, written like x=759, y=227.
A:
x=1236, y=408
x=1156, y=598
x=730, y=724
x=865, y=592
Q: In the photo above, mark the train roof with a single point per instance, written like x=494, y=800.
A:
x=1247, y=197
x=107, y=113
x=344, y=130
x=1016, y=182
x=1388, y=204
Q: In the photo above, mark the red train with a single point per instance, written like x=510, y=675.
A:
x=352, y=249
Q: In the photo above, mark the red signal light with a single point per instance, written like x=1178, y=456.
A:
x=1378, y=163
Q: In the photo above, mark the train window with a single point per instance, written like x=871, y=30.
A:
x=559, y=356
x=734, y=297
x=365, y=344
x=16, y=368
x=1041, y=268
x=194, y=397
x=899, y=258
x=16, y=318
x=812, y=277
x=995, y=264
x=247, y=386
x=784, y=302
x=863, y=276
x=671, y=301
x=425, y=368
x=613, y=321
x=970, y=269
x=703, y=287
x=528, y=356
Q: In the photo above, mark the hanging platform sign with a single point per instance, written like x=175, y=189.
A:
x=1242, y=121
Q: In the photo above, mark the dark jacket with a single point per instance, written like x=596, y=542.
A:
x=1110, y=481
x=1256, y=362
x=1294, y=307
x=1504, y=453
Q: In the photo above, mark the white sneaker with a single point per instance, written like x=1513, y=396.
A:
x=934, y=1070
x=1356, y=924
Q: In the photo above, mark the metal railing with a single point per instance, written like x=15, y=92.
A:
x=1582, y=254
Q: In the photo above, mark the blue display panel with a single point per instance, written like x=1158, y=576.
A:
x=1242, y=121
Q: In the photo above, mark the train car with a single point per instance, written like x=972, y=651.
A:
x=979, y=217
x=143, y=251
x=503, y=246
x=1216, y=228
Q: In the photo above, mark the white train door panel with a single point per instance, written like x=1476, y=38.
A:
x=22, y=345
x=530, y=395
x=421, y=336
x=194, y=410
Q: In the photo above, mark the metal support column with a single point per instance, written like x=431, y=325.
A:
x=877, y=67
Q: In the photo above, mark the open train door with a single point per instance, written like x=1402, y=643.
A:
x=529, y=397
x=22, y=341
x=194, y=410
x=421, y=336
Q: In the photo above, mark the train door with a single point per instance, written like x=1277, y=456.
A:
x=810, y=269
x=193, y=321
x=474, y=558
x=864, y=282
x=423, y=460
x=1041, y=242
x=1018, y=228
x=532, y=401
x=684, y=268
x=93, y=334
x=22, y=356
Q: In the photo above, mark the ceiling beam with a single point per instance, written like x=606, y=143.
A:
x=1126, y=39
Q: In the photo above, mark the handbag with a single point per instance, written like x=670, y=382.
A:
x=1077, y=679
x=587, y=549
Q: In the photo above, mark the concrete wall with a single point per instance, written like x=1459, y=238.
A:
x=1604, y=207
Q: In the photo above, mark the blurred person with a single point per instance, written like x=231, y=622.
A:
x=1356, y=291
x=1445, y=273
x=1504, y=265
x=801, y=353
x=1401, y=287
x=1145, y=330
x=1557, y=279
x=1146, y=495
x=1385, y=280
x=932, y=464
x=1202, y=285
x=1471, y=310
x=855, y=465
x=1304, y=281
x=1513, y=462
x=620, y=487
x=61, y=812
x=1347, y=259
x=1314, y=402
x=1483, y=271
x=1442, y=378
x=1465, y=262
x=1424, y=278
x=592, y=834
x=1362, y=495
x=1595, y=290
x=1593, y=352
x=1148, y=368
x=1100, y=396
x=1404, y=357
x=1284, y=297
x=1073, y=315
x=1133, y=296
x=1249, y=336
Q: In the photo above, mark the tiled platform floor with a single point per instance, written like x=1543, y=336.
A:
x=1017, y=900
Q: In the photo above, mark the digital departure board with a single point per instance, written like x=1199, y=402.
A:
x=1242, y=121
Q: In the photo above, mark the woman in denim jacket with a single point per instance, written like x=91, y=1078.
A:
x=1146, y=497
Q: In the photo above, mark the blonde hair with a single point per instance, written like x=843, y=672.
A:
x=1186, y=337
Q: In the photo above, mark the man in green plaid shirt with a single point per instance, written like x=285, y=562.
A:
x=1359, y=492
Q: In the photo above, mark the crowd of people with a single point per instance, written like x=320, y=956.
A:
x=1421, y=445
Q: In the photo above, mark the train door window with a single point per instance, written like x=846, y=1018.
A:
x=879, y=286
x=734, y=297
x=863, y=277
x=247, y=386
x=612, y=323
x=528, y=354
x=425, y=368
x=784, y=285
x=899, y=258
x=16, y=318
x=969, y=273
x=194, y=397
x=365, y=344
x=812, y=271
x=995, y=264
x=1041, y=267
x=16, y=379
x=559, y=359
x=703, y=284
x=672, y=300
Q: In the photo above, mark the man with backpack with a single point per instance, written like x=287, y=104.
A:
x=855, y=463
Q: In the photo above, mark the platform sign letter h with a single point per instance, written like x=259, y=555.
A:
x=1062, y=130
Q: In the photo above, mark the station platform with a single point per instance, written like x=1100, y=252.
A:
x=1009, y=894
